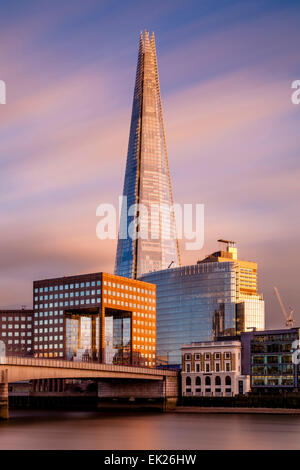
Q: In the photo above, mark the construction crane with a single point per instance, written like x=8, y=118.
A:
x=289, y=319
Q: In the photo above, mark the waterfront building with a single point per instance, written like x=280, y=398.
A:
x=99, y=316
x=268, y=359
x=213, y=368
x=147, y=181
x=16, y=331
x=216, y=297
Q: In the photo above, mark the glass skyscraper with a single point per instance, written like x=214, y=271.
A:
x=215, y=297
x=147, y=235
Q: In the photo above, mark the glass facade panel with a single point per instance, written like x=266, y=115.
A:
x=82, y=337
x=118, y=348
x=192, y=302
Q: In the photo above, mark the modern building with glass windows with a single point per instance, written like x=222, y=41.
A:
x=271, y=359
x=214, y=298
x=95, y=317
x=147, y=235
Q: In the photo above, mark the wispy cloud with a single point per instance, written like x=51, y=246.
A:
x=232, y=132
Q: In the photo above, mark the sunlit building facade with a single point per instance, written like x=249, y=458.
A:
x=202, y=302
x=95, y=317
x=213, y=368
x=147, y=235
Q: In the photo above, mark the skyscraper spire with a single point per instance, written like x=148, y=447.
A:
x=150, y=241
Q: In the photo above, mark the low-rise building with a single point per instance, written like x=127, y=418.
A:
x=16, y=332
x=270, y=358
x=213, y=368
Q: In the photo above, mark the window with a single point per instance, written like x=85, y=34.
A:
x=207, y=381
x=218, y=380
x=198, y=381
x=206, y=367
x=217, y=367
x=188, y=381
x=188, y=367
x=227, y=380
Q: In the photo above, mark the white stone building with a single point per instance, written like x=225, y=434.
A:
x=213, y=368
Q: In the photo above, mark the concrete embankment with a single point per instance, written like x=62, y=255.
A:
x=240, y=410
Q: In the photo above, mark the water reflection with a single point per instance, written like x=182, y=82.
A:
x=107, y=430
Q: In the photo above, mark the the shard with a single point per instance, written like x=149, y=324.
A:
x=147, y=235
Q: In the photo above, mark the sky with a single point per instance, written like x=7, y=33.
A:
x=233, y=137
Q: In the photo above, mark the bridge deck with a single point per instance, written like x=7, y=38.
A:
x=21, y=368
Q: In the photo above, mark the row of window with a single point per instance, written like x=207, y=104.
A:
x=51, y=338
x=150, y=348
x=79, y=285
x=67, y=303
x=208, y=381
x=48, y=322
x=15, y=319
x=50, y=330
x=128, y=296
x=207, y=356
x=130, y=288
x=51, y=313
x=128, y=304
x=66, y=295
x=208, y=368
x=15, y=333
x=76, y=285
x=16, y=341
x=54, y=354
x=12, y=326
x=48, y=346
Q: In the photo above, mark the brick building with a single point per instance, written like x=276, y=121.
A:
x=16, y=332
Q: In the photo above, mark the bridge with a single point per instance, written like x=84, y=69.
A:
x=114, y=381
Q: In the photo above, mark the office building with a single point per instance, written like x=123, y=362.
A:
x=270, y=358
x=213, y=368
x=95, y=317
x=215, y=297
x=16, y=332
x=147, y=236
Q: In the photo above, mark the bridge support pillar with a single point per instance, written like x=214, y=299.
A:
x=170, y=391
x=3, y=394
x=134, y=393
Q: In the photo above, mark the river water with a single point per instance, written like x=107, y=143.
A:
x=146, y=430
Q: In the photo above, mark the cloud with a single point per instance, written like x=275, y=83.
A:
x=232, y=136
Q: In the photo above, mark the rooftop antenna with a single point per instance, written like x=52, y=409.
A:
x=226, y=242
x=289, y=317
x=170, y=264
